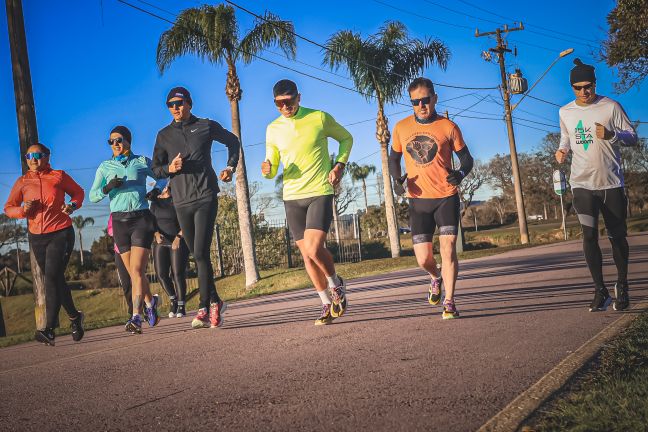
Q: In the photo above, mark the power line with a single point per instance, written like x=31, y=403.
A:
x=532, y=25
x=343, y=55
x=421, y=16
x=470, y=28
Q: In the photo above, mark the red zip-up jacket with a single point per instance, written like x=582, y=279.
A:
x=48, y=187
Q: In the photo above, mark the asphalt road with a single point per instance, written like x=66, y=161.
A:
x=390, y=364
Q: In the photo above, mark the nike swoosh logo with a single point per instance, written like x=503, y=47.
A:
x=194, y=130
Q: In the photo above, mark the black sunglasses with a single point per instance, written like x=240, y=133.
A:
x=112, y=142
x=175, y=104
x=426, y=101
x=585, y=87
x=281, y=102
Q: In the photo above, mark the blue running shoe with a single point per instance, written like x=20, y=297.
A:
x=134, y=325
x=151, y=312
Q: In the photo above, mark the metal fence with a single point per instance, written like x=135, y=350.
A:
x=274, y=246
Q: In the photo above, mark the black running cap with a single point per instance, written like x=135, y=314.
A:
x=179, y=92
x=285, y=88
x=582, y=72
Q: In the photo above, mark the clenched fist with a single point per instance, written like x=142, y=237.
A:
x=176, y=164
x=266, y=167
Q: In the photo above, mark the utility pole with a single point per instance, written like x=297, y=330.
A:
x=500, y=49
x=27, y=131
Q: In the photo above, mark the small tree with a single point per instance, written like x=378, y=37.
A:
x=360, y=173
x=472, y=183
x=626, y=47
x=81, y=222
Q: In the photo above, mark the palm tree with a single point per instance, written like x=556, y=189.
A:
x=211, y=32
x=81, y=222
x=360, y=173
x=381, y=67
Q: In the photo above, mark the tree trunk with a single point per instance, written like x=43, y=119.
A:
x=383, y=136
x=544, y=206
x=234, y=93
x=27, y=130
x=555, y=212
x=364, y=190
x=81, y=246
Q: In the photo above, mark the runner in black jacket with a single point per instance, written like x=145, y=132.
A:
x=183, y=153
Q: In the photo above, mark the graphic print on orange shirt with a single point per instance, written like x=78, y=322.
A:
x=427, y=150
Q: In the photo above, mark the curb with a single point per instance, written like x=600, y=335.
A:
x=513, y=415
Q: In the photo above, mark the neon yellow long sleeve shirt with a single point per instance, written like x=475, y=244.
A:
x=300, y=143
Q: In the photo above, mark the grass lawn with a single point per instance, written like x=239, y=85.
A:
x=611, y=394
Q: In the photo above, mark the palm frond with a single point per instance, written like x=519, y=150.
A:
x=210, y=32
x=270, y=30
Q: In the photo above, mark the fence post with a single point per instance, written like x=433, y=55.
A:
x=219, y=249
x=288, y=248
x=359, y=235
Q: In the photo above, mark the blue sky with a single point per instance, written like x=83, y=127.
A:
x=93, y=67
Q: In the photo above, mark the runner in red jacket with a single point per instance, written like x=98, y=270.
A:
x=39, y=196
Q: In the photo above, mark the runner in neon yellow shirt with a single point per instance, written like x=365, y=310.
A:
x=299, y=139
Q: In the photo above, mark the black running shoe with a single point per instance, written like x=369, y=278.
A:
x=601, y=301
x=77, y=327
x=45, y=336
x=173, y=308
x=622, y=299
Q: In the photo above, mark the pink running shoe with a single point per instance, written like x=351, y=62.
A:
x=216, y=311
x=201, y=320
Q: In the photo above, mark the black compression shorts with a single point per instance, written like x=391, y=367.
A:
x=428, y=213
x=612, y=203
x=133, y=229
x=309, y=213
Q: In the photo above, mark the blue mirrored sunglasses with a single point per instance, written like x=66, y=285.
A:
x=36, y=155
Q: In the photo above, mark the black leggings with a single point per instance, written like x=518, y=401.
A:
x=124, y=281
x=612, y=204
x=171, y=262
x=197, y=224
x=52, y=252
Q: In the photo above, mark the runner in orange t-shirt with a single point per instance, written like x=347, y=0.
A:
x=427, y=141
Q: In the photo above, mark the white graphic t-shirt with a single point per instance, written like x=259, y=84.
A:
x=596, y=163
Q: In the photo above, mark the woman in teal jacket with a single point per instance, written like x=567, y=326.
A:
x=123, y=180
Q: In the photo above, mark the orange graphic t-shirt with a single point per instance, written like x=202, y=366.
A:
x=427, y=149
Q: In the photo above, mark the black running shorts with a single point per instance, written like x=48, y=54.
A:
x=428, y=213
x=611, y=203
x=309, y=213
x=133, y=229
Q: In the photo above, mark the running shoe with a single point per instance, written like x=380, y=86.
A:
x=449, y=310
x=434, y=293
x=151, y=313
x=216, y=311
x=45, y=336
x=134, y=325
x=201, y=320
x=173, y=308
x=180, y=312
x=325, y=317
x=338, y=295
x=622, y=299
x=77, y=327
x=601, y=300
